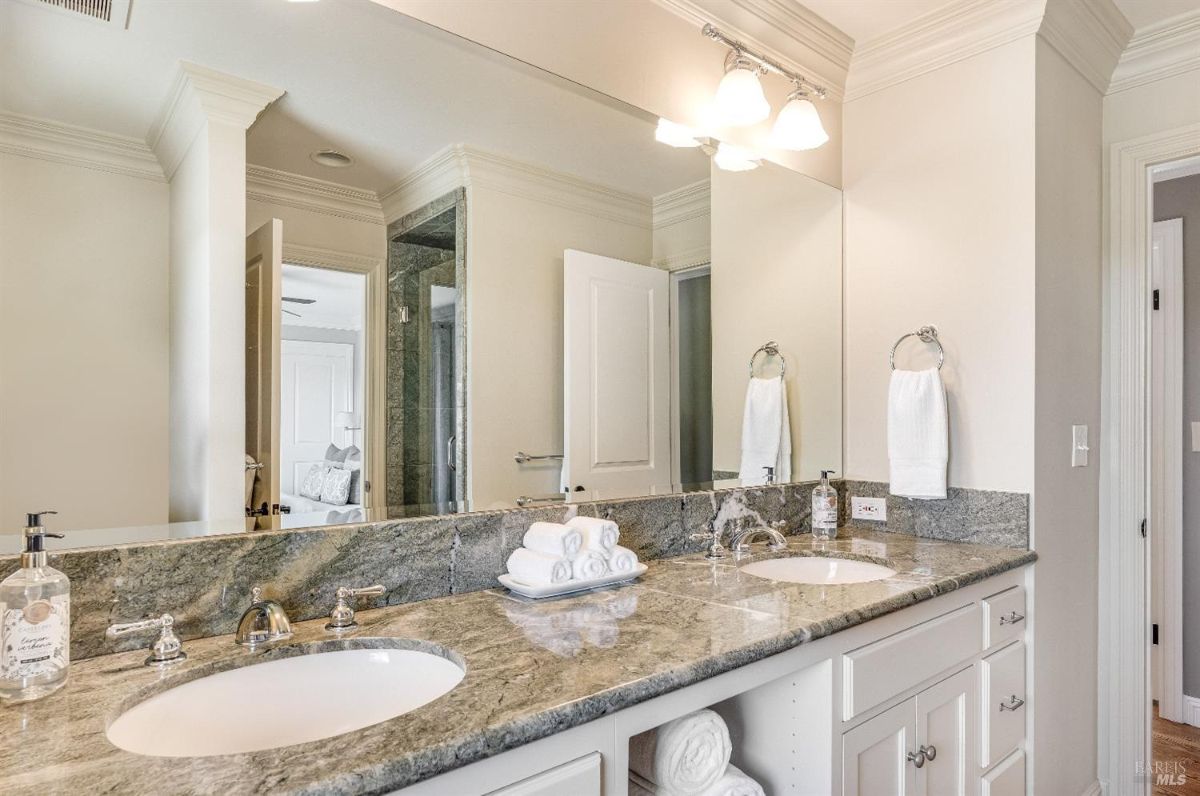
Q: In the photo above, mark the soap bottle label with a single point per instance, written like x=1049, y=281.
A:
x=825, y=512
x=34, y=638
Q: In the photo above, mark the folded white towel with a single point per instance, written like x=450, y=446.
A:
x=734, y=782
x=918, y=434
x=554, y=538
x=589, y=565
x=622, y=559
x=534, y=568
x=599, y=535
x=684, y=756
x=766, y=433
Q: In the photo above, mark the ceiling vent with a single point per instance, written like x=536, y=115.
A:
x=107, y=12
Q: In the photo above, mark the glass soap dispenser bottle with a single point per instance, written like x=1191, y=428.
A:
x=35, y=621
x=824, y=510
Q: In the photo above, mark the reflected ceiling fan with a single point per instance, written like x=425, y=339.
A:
x=297, y=301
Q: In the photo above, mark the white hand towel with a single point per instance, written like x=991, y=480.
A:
x=622, y=559
x=766, y=433
x=553, y=538
x=918, y=434
x=599, y=535
x=734, y=782
x=534, y=568
x=589, y=565
x=684, y=756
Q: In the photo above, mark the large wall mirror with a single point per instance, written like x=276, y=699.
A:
x=466, y=284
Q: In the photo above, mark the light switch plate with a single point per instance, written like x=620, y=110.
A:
x=865, y=508
x=1079, y=446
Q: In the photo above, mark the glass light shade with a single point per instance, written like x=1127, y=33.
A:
x=735, y=158
x=673, y=134
x=740, y=100
x=798, y=126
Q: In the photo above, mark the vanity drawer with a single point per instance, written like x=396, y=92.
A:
x=890, y=666
x=1003, y=686
x=1006, y=779
x=1003, y=617
x=581, y=776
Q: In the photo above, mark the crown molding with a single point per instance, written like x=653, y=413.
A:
x=308, y=193
x=942, y=37
x=199, y=95
x=682, y=204
x=316, y=257
x=460, y=165
x=796, y=24
x=45, y=139
x=1166, y=49
x=698, y=255
x=1090, y=34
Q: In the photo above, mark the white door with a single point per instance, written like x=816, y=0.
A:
x=264, y=269
x=317, y=383
x=617, y=381
x=946, y=729
x=875, y=754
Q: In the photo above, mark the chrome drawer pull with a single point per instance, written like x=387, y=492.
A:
x=1012, y=704
x=917, y=758
x=1011, y=618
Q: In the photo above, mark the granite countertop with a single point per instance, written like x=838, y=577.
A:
x=532, y=669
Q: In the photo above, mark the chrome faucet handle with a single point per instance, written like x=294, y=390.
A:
x=167, y=648
x=342, y=615
x=716, y=549
x=263, y=622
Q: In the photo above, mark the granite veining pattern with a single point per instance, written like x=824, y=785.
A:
x=966, y=515
x=532, y=669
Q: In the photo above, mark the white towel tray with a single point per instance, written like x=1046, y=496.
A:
x=571, y=586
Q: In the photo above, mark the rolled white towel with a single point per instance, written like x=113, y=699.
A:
x=554, y=538
x=589, y=565
x=622, y=559
x=734, y=782
x=684, y=756
x=600, y=535
x=532, y=567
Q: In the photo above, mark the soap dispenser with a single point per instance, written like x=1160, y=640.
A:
x=35, y=621
x=824, y=510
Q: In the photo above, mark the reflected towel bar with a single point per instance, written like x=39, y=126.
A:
x=522, y=457
x=525, y=500
x=771, y=349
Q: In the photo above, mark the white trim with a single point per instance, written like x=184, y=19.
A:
x=1174, y=171
x=1093, y=790
x=942, y=37
x=1090, y=34
x=308, y=193
x=682, y=204
x=199, y=95
x=56, y=142
x=374, y=358
x=1124, y=659
x=1191, y=711
x=437, y=176
x=1158, y=51
x=684, y=260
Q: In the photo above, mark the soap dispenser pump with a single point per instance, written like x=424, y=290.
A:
x=35, y=621
x=824, y=509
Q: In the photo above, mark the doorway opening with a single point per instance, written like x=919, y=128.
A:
x=691, y=348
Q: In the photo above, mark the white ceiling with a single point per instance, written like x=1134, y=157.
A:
x=340, y=297
x=378, y=85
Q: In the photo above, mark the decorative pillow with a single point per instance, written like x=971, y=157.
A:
x=336, y=488
x=314, y=481
x=353, y=463
x=335, y=456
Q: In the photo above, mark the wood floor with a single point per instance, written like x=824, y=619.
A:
x=1176, y=757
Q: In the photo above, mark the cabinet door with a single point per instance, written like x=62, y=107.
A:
x=1006, y=779
x=580, y=777
x=946, y=729
x=875, y=754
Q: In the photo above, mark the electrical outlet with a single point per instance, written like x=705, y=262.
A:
x=865, y=508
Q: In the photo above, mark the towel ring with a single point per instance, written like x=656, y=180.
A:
x=771, y=349
x=927, y=334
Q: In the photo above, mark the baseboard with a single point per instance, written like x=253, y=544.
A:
x=1191, y=710
x=1093, y=790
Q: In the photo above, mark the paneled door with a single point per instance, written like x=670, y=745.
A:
x=946, y=729
x=317, y=383
x=617, y=382
x=264, y=310
x=875, y=754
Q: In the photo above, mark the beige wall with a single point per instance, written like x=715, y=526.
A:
x=84, y=363
x=939, y=189
x=1153, y=108
x=303, y=227
x=637, y=51
x=515, y=332
x=776, y=275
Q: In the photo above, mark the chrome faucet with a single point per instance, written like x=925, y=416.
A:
x=167, y=648
x=263, y=622
x=342, y=615
x=742, y=539
x=716, y=549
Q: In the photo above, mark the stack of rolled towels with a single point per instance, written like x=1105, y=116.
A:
x=582, y=549
x=687, y=757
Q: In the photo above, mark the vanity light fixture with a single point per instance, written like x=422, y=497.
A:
x=740, y=100
x=735, y=158
x=675, y=134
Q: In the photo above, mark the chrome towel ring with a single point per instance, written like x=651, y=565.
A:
x=927, y=334
x=771, y=349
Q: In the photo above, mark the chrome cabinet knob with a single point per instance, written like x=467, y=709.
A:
x=342, y=615
x=930, y=752
x=917, y=758
x=165, y=650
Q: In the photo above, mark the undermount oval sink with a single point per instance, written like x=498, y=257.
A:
x=284, y=702
x=818, y=570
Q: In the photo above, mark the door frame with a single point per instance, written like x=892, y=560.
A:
x=680, y=275
x=1124, y=707
x=374, y=343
